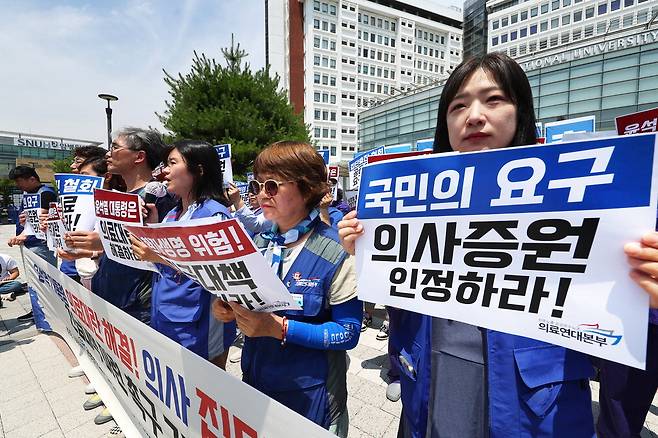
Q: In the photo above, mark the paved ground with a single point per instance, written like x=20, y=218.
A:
x=37, y=399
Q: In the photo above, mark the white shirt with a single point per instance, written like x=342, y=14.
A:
x=6, y=264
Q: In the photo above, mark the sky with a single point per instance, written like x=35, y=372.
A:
x=57, y=56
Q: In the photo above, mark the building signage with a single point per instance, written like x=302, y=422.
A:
x=592, y=50
x=46, y=143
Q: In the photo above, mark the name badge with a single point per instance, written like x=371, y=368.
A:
x=299, y=299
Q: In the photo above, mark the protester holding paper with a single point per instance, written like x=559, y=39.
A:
x=486, y=383
x=180, y=307
x=298, y=357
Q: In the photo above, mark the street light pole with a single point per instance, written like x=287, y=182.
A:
x=108, y=112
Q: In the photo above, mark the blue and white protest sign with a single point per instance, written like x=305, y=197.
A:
x=324, y=153
x=555, y=130
x=360, y=160
x=76, y=197
x=224, y=154
x=398, y=148
x=539, y=129
x=244, y=190
x=425, y=145
x=31, y=206
x=250, y=176
x=526, y=240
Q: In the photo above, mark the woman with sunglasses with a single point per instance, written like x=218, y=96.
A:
x=180, y=308
x=479, y=382
x=298, y=357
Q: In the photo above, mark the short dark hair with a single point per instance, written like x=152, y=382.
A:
x=147, y=140
x=511, y=79
x=203, y=163
x=299, y=162
x=23, y=172
x=99, y=164
x=90, y=151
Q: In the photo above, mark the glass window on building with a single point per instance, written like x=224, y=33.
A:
x=316, y=5
x=603, y=8
x=543, y=26
x=332, y=9
x=514, y=18
x=534, y=12
x=555, y=4
x=503, y=38
x=577, y=16
x=533, y=29
x=555, y=23
x=566, y=3
x=628, y=20
x=589, y=12
x=504, y=22
x=494, y=41
x=325, y=7
x=524, y=15
x=544, y=8
x=566, y=19
x=615, y=5
x=628, y=3
x=513, y=35
x=523, y=32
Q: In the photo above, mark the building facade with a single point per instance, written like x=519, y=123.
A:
x=339, y=57
x=37, y=151
x=604, y=74
x=475, y=28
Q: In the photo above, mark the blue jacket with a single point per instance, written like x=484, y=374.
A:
x=293, y=375
x=180, y=307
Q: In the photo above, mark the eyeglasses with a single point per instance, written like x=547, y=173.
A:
x=116, y=147
x=271, y=186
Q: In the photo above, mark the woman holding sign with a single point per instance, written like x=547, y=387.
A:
x=180, y=308
x=298, y=357
x=485, y=383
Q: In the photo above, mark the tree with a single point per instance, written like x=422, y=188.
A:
x=230, y=104
x=62, y=165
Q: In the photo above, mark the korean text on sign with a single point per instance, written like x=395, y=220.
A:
x=514, y=238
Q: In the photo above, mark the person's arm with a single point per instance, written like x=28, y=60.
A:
x=254, y=223
x=341, y=333
x=13, y=275
x=643, y=259
x=324, y=208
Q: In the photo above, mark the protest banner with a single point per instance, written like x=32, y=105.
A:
x=333, y=172
x=324, y=153
x=244, y=190
x=360, y=160
x=636, y=123
x=221, y=257
x=152, y=385
x=76, y=197
x=55, y=228
x=224, y=154
x=114, y=211
x=398, y=148
x=526, y=240
x=539, y=129
x=250, y=177
x=425, y=145
x=554, y=131
x=31, y=206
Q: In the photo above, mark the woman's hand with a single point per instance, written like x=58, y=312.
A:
x=643, y=258
x=43, y=217
x=89, y=240
x=234, y=196
x=222, y=311
x=144, y=253
x=257, y=324
x=78, y=254
x=22, y=218
x=349, y=229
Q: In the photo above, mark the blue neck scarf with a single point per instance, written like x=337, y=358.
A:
x=292, y=235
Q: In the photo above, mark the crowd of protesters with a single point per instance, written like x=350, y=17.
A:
x=454, y=379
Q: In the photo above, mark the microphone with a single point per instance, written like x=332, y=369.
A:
x=153, y=191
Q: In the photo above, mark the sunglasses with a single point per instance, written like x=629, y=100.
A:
x=270, y=186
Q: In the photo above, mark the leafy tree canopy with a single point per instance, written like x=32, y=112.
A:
x=231, y=104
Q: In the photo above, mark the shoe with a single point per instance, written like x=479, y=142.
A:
x=393, y=391
x=93, y=402
x=383, y=332
x=235, y=357
x=116, y=432
x=90, y=390
x=103, y=417
x=76, y=372
x=27, y=317
x=10, y=296
x=367, y=322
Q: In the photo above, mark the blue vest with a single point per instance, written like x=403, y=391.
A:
x=296, y=376
x=32, y=241
x=537, y=389
x=180, y=307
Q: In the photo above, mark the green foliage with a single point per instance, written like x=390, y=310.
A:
x=231, y=104
x=63, y=165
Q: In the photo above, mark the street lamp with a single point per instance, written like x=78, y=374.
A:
x=108, y=111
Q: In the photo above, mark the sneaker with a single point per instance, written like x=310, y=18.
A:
x=27, y=317
x=367, y=322
x=9, y=297
x=90, y=390
x=93, y=402
x=76, y=372
x=383, y=332
x=393, y=391
x=103, y=417
x=235, y=357
x=116, y=432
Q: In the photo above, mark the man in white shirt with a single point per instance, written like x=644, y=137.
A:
x=9, y=272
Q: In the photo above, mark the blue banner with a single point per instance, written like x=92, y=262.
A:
x=556, y=130
x=324, y=153
x=74, y=184
x=587, y=175
x=31, y=200
x=223, y=150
